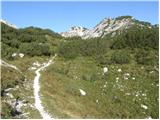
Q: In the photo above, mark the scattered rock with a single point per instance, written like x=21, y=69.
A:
x=144, y=94
x=10, y=95
x=151, y=71
x=119, y=70
x=127, y=74
x=149, y=117
x=83, y=93
x=144, y=106
x=14, y=54
x=126, y=78
x=21, y=55
x=97, y=101
x=105, y=69
x=36, y=64
x=133, y=78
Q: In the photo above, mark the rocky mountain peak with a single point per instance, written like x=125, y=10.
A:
x=75, y=31
x=78, y=28
x=106, y=26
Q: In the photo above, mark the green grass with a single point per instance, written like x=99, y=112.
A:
x=61, y=82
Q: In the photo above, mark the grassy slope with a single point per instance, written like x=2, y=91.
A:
x=25, y=86
x=25, y=90
x=62, y=81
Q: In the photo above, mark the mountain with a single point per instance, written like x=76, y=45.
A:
x=106, y=26
x=75, y=31
x=9, y=24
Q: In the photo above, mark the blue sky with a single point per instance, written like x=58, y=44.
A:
x=60, y=16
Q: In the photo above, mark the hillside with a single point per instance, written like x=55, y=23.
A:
x=110, y=71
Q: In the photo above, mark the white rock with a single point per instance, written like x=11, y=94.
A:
x=144, y=94
x=149, y=117
x=97, y=101
x=105, y=69
x=21, y=55
x=10, y=95
x=83, y=93
x=19, y=106
x=17, y=86
x=117, y=78
x=14, y=54
x=144, y=106
x=151, y=71
x=126, y=78
x=127, y=74
x=133, y=78
x=104, y=86
x=119, y=70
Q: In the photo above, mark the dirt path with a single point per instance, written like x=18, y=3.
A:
x=36, y=86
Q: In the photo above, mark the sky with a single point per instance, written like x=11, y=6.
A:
x=60, y=16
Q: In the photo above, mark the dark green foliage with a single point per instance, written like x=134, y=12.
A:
x=137, y=37
x=142, y=38
x=146, y=57
x=69, y=50
x=103, y=60
x=123, y=17
x=142, y=22
x=38, y=31
x=30, y=41
x=120, y=57
x=35, y=49
x=6, y=51
x=91, y=47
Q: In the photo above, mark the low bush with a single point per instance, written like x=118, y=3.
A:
x=120, y=57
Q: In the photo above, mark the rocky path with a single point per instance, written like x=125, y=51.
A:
x=36, y=86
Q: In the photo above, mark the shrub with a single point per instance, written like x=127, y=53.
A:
x=146, y=57
x=68, y=50
x=120, y=57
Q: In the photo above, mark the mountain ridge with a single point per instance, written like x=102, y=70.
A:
x=106, y=26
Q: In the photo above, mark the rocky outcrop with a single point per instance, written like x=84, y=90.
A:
x=9, y=24
x=106, y=26
x=75, y=31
